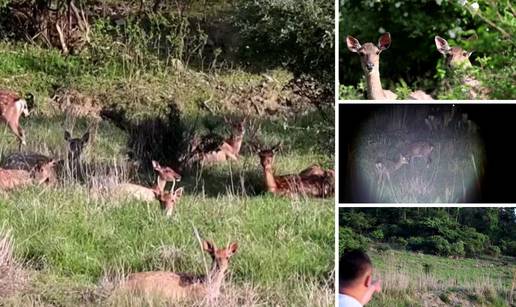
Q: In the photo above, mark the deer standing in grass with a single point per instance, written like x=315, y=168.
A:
x=180, y=286
x=456, y=57
x=11, y=179
x=370, y=61
x=165, y=174
x=386, y=168
x=12, y=106
x=313, y=181
x=419, y=150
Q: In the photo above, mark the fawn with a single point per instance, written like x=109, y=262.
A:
x=210, y=150
x=419, y=150
x=12, y=106
x=370, y=60
x=169, y=200
x=41, y=173
x=457, y=57
x=313, y=182
x=165, y=174
x=386, y=168
x=177, y=286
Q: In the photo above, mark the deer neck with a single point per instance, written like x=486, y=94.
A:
x=160, y=184
x=270, y=182
x=374, y=85
x=215, y=278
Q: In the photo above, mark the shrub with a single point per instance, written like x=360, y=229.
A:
x=351, y=240
x=438, y=245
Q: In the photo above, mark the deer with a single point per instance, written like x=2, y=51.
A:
x=370, y=61
x=419, y=150
x=211, y=149
x=12, y=106
x=456, y=57
x=165, y=174
x=386, y=168
x=27, y=161
x=169, y=200
x=313, y=181
x=41, y=173
x=441, y=119
x=181, y=286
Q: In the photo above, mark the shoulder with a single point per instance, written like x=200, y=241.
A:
x=348, y=301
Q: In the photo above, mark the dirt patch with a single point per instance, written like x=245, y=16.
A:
x=446, y=298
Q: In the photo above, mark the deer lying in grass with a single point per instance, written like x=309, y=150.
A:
x=169, y=200
x=180, y=286
x=456, y=57
x=27, y=161
x=12, y=106
x=313, y=181
x=213, y=149
x=370, y=60
x=139, y=192
x=41, y=173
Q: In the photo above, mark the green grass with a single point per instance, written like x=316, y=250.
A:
x=411, y=279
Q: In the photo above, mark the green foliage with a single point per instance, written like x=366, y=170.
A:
x=292, y=33
x=348, y=239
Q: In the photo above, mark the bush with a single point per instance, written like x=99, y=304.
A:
x=377, y=234
x=298, y=34
x=438, y=245
x=351, y=240
x=457, y=249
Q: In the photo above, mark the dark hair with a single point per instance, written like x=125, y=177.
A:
x=353, y=264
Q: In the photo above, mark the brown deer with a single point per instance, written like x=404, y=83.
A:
x=169, y=200
x=210, y=150
x=11, y=179
x=457, y=57
x=419, y=150
x=180, y=286
x=12, y=106
x=370, y=60
x=314, y=182
x=131, y=190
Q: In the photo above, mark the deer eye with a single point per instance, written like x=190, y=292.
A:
x=378, y=52
x=465, y=54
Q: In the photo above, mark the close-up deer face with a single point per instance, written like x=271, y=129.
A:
x=454, y=56
x=166, y=173
x=76, y=145
x=169, y=200
x=369, y=53
x=266, y=158
x=44, y=172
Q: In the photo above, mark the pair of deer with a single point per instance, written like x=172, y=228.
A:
x=370, y=60
x=386, y=168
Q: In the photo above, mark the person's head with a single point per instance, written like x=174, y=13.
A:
x=355, y=271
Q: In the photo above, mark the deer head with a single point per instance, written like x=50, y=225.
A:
x=44, y=172
x=369, y=53
x=76, y=145
x=165, y=173
x=267, y=156
x=454, y=56
x=169, y=200
x=220, y=256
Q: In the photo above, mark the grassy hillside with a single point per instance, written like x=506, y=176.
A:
x=411, y=279
x=72, y=247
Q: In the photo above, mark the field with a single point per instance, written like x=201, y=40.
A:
x=411, y=279
x=457, y=159
x=70, y=247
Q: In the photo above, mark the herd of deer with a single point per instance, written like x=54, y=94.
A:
x=22, y=169
x=370, y=60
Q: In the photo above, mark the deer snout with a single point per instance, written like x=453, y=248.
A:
x=369, y=66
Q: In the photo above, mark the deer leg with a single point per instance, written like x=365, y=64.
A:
x=18, y=131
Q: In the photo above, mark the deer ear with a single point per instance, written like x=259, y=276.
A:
x=442, y=45
x=353, y=44
x=85, y=138
x=232, y=248
x=155, y=165
x=208, y=246
x=67, y=135
x=470, y=53
x=384, y=41
x=179, y=192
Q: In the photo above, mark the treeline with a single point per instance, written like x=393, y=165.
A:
x=259, y=34
x=460, y=232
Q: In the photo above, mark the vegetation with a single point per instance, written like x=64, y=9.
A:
x=146, y=77
x=486, y=27
x=443, y=256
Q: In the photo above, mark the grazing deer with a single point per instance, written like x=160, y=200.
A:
x=314, y=182
x=12, y=106
x=419, y=150
x=169, y=200
x=11, y=179
x=457, y=57
x=370, y=60
x=211, y=149
x=180, y=286
x=386, y=168
x=125, y=190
